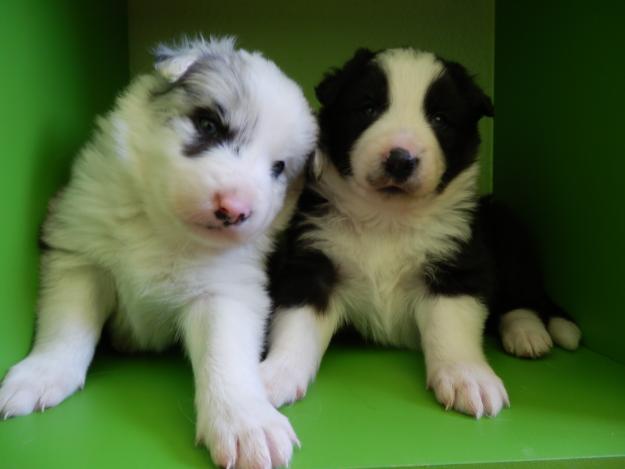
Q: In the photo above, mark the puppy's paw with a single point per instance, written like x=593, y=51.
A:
x=523, y=334
x=565, y=333
x=37, y=383
x=254, y=437
x=285, y=381
x=470, y=388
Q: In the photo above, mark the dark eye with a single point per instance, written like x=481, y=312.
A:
x=369, y=109
x=205, y=122
x=440, y=120
x=277, y=169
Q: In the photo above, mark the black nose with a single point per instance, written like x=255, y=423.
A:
x=400, y=164
x=228, y=218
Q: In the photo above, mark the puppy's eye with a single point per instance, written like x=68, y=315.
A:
x=369, y=109
x=205, y=122
x=277, y=169
x=440, y=120
x=206, y=125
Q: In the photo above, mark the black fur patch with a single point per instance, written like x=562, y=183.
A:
x=498, y=264
x=207, y=138
x=454, y=104
x=351, y=98
x=518, y=281
x=298, y=273
x=469, y=272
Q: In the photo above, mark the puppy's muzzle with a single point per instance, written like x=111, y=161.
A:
x=400, y=165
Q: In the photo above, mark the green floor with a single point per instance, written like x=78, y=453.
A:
x=368, y=408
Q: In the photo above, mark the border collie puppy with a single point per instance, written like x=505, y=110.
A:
x=392, y=238
x=163, y=232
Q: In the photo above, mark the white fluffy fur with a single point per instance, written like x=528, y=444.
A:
x=380, y=246
x=129, y=244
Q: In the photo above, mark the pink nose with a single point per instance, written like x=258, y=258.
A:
x=231, y=210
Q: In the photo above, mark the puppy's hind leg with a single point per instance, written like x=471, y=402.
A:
x=523, y=334
x=564, y=332
x=74, y=301
x=298, y=339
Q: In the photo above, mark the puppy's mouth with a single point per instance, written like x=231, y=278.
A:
x=392, y=190
x=210, y=227
x=212, y=230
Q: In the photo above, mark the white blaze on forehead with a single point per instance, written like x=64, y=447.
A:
x=410, y=74
x=404, y=124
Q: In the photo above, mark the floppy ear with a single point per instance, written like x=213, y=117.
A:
x=172, y=63
x=480, y=101
x=334, y=81
x=486, y=105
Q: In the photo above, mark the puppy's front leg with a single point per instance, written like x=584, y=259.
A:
x=299, y=337
x=451, y=336
x=235, y=420
x=75, y=300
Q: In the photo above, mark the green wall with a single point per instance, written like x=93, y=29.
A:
x=62, y=62
x=306, y=38
x=560, y=74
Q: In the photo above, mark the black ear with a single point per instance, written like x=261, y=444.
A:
x=480, y=101
x=485, y=105
x=334, y=81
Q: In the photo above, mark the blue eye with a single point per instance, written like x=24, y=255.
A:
x=206, y=122
x=277, y=169
x=206, y=126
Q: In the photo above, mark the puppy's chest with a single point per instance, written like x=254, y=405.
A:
x=380, y=282
x=146, y=277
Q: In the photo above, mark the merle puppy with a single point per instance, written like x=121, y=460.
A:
x=392, y=237
x=162, y=233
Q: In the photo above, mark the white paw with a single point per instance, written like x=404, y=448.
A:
x=37, y=383
x=565, y=333
x=523, y=334
x=250, y=437
x=284, y=381
x=470, y=388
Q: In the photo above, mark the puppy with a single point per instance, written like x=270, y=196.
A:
x=163, y=232
x=391, y=236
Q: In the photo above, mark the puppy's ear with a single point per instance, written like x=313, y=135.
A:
x=486, y=105
x=336, y=79
x=173, y=63
x=480, y=101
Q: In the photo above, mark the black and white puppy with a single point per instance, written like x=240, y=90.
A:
x=163, y=232
x=392, y=238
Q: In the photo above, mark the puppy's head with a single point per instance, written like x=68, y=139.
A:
x=223, y=134
x=400, y=124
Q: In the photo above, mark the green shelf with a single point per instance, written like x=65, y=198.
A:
x=367, y=409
